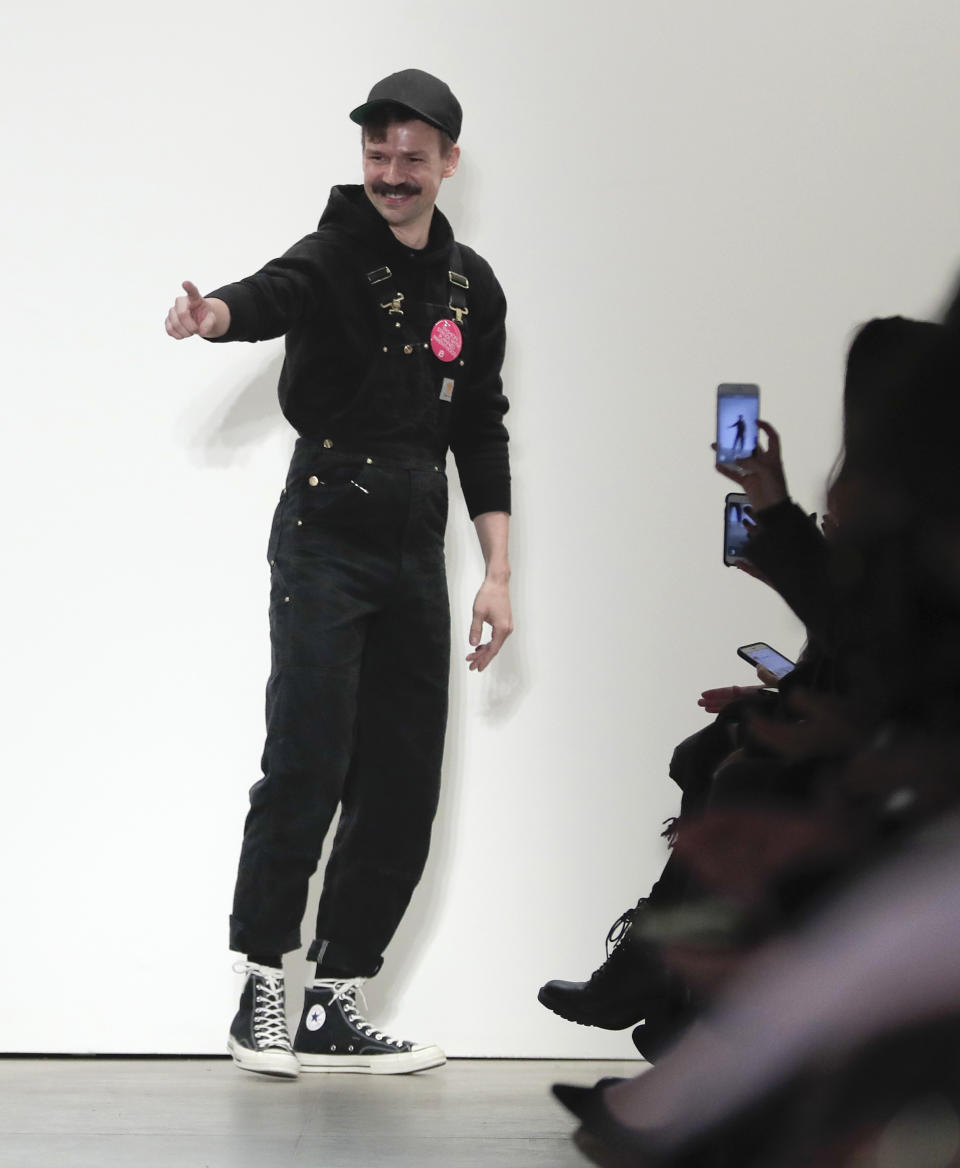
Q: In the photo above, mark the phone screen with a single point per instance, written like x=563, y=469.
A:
x=762, y=654
x=738, y=407
x=737, y=524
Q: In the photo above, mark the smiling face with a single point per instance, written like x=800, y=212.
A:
x=402, y=176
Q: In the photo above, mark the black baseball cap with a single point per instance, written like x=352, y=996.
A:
x=425, y=96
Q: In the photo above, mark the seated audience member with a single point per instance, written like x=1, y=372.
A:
x=791, y=554
x=633, y=985
x=824, y=966
x=810, y=1057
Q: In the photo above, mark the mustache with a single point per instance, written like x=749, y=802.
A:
x=381, y=188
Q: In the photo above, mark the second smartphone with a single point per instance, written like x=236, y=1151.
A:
x=737, y=524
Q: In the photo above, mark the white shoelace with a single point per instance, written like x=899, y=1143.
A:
x=269, y=1015
x=346, y=991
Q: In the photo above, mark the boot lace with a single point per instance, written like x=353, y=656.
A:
x=619, y=929
x=269, y=1015
x=346, y=992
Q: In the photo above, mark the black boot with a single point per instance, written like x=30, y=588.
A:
x=631, y=982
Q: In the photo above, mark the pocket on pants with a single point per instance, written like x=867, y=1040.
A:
x=332, y=492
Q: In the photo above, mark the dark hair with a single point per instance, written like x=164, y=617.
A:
x=375, y=125
x=902, y=409
x=897, y=558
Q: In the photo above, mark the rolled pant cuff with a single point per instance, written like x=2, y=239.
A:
x=244, y=939
x=348, y=958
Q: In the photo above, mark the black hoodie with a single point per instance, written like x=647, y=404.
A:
x=368, y=379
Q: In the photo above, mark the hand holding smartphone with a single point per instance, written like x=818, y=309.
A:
x=760, y=654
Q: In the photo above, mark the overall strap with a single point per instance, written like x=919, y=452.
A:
x=459, y=285
x=387, y=300
x=383, y=288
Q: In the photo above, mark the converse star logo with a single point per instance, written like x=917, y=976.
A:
x=316, y=1017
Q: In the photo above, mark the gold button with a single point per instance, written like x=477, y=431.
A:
x=369, y=462
x=408, y=349
x=461, y=362
x=299, y=523
x=272, y=563
x=328, y=444
x=385, y=349
x=425, y=345
x=286, y=600
x=313, y=481
x=397, y=324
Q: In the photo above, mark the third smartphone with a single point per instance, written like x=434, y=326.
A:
x=760, y=653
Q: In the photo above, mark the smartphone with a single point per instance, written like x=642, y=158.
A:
x=760, y=653
x=737, y=524
x=738, y=407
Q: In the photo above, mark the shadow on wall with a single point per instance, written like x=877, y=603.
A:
x=504, y=685
x=244, y=418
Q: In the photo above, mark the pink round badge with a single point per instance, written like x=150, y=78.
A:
x=446, y=340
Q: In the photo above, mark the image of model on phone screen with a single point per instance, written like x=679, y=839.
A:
x=738, y=407
x=738, y=523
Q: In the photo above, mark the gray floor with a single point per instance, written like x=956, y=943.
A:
x=106, y=1113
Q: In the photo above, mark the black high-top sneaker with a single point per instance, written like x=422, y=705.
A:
x=259, y=1039
x=620, y=993
x=334, y=1036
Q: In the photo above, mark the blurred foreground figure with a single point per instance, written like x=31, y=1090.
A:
x=826, y=1038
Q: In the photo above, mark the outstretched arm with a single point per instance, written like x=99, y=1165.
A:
x=492, y=603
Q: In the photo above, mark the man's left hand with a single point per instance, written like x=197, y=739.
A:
x=492, y=607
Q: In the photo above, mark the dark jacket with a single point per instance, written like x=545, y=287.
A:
x=367, y=379
x=791, y=552
x=789, y=549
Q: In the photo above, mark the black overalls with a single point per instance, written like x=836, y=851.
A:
x=360, y=634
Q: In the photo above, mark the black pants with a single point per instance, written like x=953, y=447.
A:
x=356, y=703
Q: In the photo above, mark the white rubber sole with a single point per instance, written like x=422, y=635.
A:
x=402, y=1063
x=278, y=1063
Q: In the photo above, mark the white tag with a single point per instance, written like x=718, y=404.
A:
x=446, y=390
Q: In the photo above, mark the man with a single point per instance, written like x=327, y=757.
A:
x=394, y=342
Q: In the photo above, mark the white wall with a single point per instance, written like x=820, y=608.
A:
x=672, y=193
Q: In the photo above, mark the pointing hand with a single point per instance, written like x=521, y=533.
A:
x=190, y=314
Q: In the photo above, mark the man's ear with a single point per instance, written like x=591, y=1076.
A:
x=451, y=162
